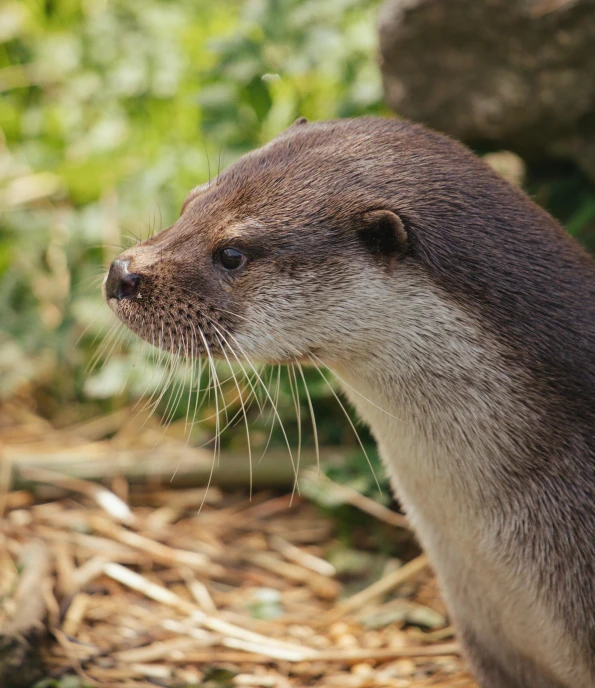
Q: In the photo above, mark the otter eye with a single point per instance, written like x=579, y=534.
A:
x=231, y=258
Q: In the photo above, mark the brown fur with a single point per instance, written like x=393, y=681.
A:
x=442, y=293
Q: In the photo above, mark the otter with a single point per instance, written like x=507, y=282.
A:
x=459, y=318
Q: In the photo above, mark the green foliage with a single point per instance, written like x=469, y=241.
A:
x=569, y=195
x=292, y=58
x=110, y=111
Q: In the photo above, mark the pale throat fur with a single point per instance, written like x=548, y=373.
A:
x=460, y=415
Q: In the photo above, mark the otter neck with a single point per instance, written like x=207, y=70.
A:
x=441, y=401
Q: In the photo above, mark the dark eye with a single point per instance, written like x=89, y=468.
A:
x=231, y=258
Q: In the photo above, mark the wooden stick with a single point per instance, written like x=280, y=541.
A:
x=158, y=551
x=101, y=462
x=106, y=499
x=348, y=495
x=302, y=558
x=353, y=656
x=379, y=588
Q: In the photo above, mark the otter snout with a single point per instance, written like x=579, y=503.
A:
x=120, y=283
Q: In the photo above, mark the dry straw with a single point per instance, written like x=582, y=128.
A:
x=127, y=585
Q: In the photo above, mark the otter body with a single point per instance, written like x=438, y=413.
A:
x=460, y=320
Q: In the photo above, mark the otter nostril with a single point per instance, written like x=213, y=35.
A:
x=120, y=283
x=129, y=286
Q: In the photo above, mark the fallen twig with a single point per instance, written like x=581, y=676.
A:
x=379, y=588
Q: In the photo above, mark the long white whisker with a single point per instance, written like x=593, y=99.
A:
x=217, y=447
x=175, y=393
x=361, y=444
x=312, y=356
x=312, y=416
x=272, y=413
x=189, y=363
x=298, y=413
x=241, y=398
x=270, y=399
x=170, y=371
x=188, y=427
x=237, y=359
x=99, y=354
x=86, y=329
x=181, y=384
x=164, y=364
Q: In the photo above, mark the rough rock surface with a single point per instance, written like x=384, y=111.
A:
x=512, y=74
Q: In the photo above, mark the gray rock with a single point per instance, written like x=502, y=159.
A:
x=512, y=74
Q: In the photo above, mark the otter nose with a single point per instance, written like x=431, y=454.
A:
x=120, y=283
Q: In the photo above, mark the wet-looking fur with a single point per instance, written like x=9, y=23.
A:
x=460, y=319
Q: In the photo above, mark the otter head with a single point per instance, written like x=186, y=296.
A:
x=281, y=257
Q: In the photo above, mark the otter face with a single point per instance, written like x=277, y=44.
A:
x=274, y=260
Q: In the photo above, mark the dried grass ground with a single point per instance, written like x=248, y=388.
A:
x=136, y=588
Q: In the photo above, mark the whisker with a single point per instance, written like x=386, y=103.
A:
x=217, y=447
x=208, y=161
x=179, y=384
x=92, y=280
x=109, y=343
x=219, y=163
x=130, y=337
x=176, y=383
x=268, y=385
x=231, y=422
x=355, y=390
x=298, y=413
x=190, y=362
x=197, y=392
x=187, y=426
x=169, y=370
x=132, y=237
x=361, y=444
x=276, y=402
x=228, y=405
x=122, y=333
x=159, y=365
x=271, y=400
x=159, y=389
x=183, y=362
x=236, y=357
x=244, y=412
x=84, y=332
x=98, y=351
x=104, y=245
x=160, y=225
x=312, y=416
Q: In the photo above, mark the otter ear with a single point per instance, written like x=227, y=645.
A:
x=383, y=233
x=299, y=121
